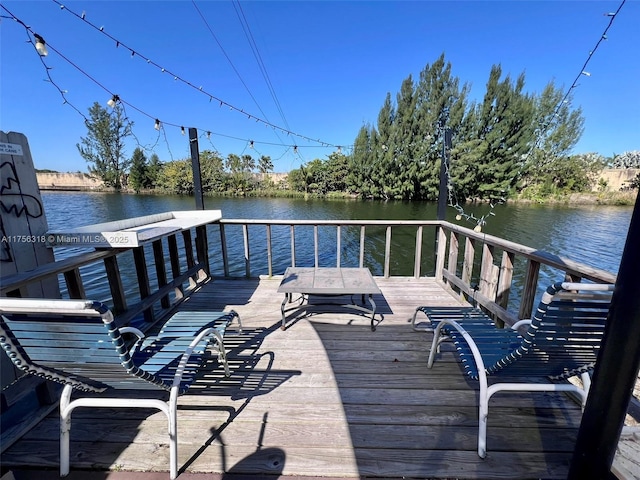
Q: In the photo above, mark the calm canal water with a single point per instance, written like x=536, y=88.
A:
x=594, y=235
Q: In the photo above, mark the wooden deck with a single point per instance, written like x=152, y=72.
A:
x=326, y=397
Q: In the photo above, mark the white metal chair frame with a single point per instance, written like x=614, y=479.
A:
x=486, y=390
x=133, y=372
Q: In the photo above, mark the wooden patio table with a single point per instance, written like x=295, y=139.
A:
x=328, y=282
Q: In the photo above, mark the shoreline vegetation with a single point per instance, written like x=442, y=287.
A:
x=610, y=198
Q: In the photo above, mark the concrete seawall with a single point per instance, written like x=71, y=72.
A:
x=616, y=178
x=68, y=181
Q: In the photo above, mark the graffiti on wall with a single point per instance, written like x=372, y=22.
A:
x=14, y=203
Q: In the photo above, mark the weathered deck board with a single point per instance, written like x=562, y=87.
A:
x=325, y=397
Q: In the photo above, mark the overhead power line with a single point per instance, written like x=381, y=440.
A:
x=258, y=57
x=211, y=97
x=213, y=35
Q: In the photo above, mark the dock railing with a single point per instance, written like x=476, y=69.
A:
x=502, y=277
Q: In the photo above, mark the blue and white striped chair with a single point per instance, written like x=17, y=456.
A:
x=561, y=340
x=77, y=343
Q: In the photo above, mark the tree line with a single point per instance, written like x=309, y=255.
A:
x=511, y=142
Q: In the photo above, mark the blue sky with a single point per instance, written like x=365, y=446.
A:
x=330, y=64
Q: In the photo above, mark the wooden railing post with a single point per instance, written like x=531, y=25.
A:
x=174, y=256
x=362, y=238
x=269, y=253
x=161, y=270
x=202, y=250
x=469, y=256
x=223, y=246
x=142, y=274
x=452, y=262
x=316, y=260
x=338, y=246
x=440, y=253
x=418, y=253
x=489, y=273
x=115, y=284
x=247, y=253
x=73, y=281
x=387, y=251
x=293, y=246
x=506, y=279
x=188, y=251
x=529, y=289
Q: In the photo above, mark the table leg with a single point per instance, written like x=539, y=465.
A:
x=373, y=313
x=287, y=297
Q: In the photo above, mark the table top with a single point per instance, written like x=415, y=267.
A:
x=328, y=281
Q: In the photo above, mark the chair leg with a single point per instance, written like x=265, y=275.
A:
x=483, y=415
x=173, y=433
x=586, y=385
x=435, y=345
x=239, y=323
x=222, y=352
x=413, y=321
x=65, y=428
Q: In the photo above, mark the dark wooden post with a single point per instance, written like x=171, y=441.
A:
x=195, y=165
x=616, y=369
x=443, y=192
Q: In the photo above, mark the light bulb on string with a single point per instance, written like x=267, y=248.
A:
x=250, y=143
x=41, y=46
x=157, y=124
x=182, y=130
x=113, y=101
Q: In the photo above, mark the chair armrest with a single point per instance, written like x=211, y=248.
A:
x=189, y=351
x=520, y=323
x=477, y=356
x=134, y=330
x=137, y=333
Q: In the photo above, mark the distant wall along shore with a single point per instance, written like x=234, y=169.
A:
x=68, y=181
x=614, y=178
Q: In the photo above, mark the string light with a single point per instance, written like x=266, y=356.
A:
x=113, y=101
x=182, y=130
x=116, y=99
x=41, y=46
x=188, y=83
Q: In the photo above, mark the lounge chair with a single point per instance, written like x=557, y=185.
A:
x=78, y=344
x=560, y=341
